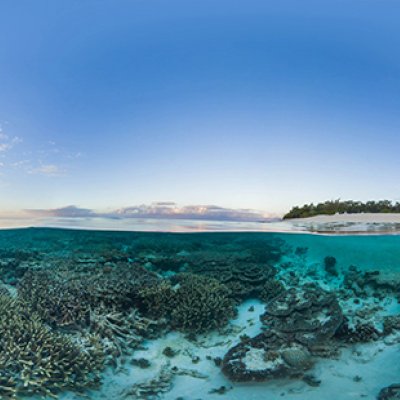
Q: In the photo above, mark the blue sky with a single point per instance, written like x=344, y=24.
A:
x=242, y=104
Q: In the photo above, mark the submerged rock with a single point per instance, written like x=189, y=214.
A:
x=330, y=265
x=265, y=357
x=391, y=392
x=307, y=315
x=297, y=323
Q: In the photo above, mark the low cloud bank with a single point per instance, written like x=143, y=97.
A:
x=162, y=210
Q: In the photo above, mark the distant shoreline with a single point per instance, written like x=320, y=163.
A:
x=356, y=217
x=350, y=224
x=340, y=224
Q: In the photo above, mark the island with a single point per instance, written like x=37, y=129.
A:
x=332, y=207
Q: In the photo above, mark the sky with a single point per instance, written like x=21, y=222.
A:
x=260, y=105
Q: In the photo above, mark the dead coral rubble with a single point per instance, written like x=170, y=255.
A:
x=120, y=333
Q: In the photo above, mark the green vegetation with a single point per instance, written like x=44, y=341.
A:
x=332, y=207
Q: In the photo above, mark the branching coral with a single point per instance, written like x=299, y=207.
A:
x=200, y=304
x=117, y=288
x=59, y=302
x=122, y=332
x=33, y=359
x=65, y=298
x=271, y=290
x=4, y=291
x=192, y=303
x=244, y=278
x=157, y=300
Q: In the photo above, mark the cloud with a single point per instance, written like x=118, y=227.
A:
x=45, y=159
x=63, y=212
x=172, y=210
x=161, y=210
x=7, y=143
x=48, y=170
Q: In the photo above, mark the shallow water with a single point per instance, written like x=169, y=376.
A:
x=164, y=310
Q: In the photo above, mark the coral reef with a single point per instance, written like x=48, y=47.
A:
x=330, y=265
x=14, y=263
x=359, y=333
x=307, y=315
x=156, y=300
x=265, y=356
x=87, y=301
x=200, y=304
x=59, y=302
x=390, y=324
x=34, y=359
x=117, y=287
x=4, y=291
x=271, y=290
x=297, y=323
x=191, y=303
x=372, y=283
x=391, y=392
x=65, y=298
x=120, y=333
x=245, y=279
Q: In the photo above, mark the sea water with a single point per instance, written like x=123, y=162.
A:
x=175, y=361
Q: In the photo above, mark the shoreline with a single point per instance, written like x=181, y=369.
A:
x=335, y=225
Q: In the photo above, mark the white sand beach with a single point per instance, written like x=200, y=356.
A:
x=368, y=223
x=367, y=218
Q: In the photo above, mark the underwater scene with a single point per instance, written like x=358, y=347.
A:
x=195, y=316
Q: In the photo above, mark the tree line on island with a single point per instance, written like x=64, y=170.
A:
x=332, y=207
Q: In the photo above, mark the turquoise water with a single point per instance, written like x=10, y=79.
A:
x=140, y=315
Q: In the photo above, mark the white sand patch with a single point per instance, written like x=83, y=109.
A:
x=362, y=217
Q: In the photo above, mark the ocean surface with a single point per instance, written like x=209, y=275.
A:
x=104, y=314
